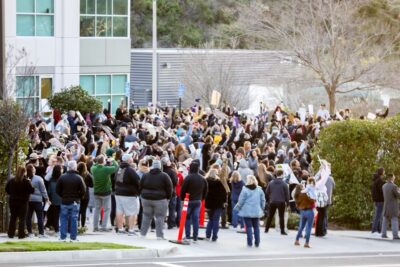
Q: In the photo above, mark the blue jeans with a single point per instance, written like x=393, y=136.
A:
x=377, y=223
x=193, y=217
x=306, y=221
x=171, y=212
x=37, y=207
x=250, y=224
x=236, y=219
x=178, y=209
x=69, y=213
x=213, y=223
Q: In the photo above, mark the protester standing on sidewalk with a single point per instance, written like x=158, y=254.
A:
x=277, y=195
x=237, y=186
x=216, y=201
x=250, y=207
x=127, y=190
x=36, y=200
x=88, y=179
x=195, y=185
x=391, y=197
x=306, y=206
x=102, y=190
x=71, y=188
x=53, y=215
x=18, y=189
x=377, y=198
x=156, y=190
x=167, y=168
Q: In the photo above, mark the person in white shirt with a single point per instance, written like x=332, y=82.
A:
x=323, y=113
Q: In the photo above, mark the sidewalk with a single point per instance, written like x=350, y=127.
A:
x=229, y=243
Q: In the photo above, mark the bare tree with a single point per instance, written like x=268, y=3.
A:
x=333, y=39
x=209, y=70
x=14, y=117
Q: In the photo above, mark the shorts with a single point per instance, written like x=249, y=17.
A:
x=129, y=206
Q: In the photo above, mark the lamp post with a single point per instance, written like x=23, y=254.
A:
x=2, y=47
x=155, y=63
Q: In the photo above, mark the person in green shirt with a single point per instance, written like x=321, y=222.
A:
x=102, y=171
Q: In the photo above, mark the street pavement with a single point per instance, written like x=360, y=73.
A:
x=339, y=248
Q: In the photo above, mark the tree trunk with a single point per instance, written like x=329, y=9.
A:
x=10, y=163
x=332, y=101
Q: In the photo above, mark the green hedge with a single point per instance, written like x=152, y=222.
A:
x=356, y=149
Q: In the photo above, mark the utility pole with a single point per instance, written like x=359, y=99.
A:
x=2, y=51
x=155, y=61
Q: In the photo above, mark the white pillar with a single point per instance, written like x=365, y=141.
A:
x=155, y=61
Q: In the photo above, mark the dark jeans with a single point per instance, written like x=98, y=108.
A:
x=193, y=218
x=377, y=223
x=113, y=209
x=321, y=221
x=213, y=223
x=178, y=209
x=36, y=207
x=280, y=206
x=53, y=217
x=171, y=213
x=252, y=223
x=236, y=219
x=18, y=211
x=82, y=211
x=306, y=221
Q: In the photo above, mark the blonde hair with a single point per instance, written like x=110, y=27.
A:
x=235, y=177
x=252, y=180
x=213, y=173
x=247, y=146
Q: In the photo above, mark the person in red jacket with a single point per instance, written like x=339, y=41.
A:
x=178, y=194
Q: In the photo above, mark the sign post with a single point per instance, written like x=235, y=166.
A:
x=181, y=93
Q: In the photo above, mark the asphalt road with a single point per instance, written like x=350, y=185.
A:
x=321, y=260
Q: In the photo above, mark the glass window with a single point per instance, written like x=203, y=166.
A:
x=25, y=6
x=87, y=26
x=104, y=7
x=87, y=83
x=25, y=25
x=103, y=84
x=30, y=105
x=103, y=26
x=120, y=7
x=46, y=88
x=44, y=6
x=44, y=25
x=118, y=84
x=104, y=101
x=26, y=86
x=120, y=28
x=31, y=18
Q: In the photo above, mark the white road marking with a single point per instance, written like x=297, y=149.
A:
x=167, y=264
x=231, y=260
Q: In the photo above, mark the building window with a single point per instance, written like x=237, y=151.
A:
x=31, y=90
x=35, y=17
x=104, y=18
x=106, y=88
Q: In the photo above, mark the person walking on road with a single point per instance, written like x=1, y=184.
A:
x=250, y=207
x=391, y=197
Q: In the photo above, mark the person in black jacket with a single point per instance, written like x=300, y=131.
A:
x=196, y=186
x=88, y=179
x=156, y=190
x=19, y=189
x=277, y=195
x=167, y=167
x=215, y=203
x=71, y=188
x=127, y=190
x=377, y=197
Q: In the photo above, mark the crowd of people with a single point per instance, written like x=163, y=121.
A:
x=134, y=169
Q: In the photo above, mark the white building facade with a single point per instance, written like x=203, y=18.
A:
x=68, y=43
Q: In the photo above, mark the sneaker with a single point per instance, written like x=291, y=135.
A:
x=385, y=236
x=96, y=230
x=297, y=243
x=121, y=231
x=62, y=240
x=31, y=235
x=194, y=241
x=105, y=230
x=132, y=233
x=43, y=236
x=283, y=233
x=73, y=240
x=306, y=245
x=161, y=238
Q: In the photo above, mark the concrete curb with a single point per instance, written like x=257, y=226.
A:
x=84, y=255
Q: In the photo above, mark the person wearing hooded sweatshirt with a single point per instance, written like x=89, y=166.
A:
x=244, y=170
x=156, y=190
x=377, y=197
x=196, y=186
x=215, y=203
x=277, y=194
x=251, y=206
